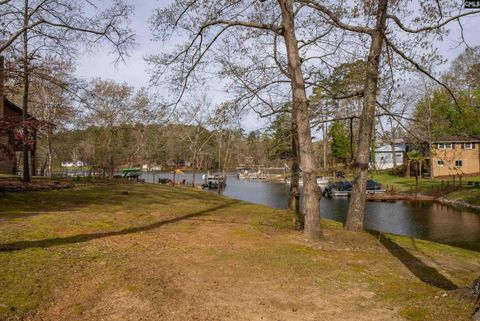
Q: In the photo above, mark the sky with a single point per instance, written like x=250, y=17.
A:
x=100, y=64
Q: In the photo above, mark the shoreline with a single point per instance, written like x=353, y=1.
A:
x=457, y=203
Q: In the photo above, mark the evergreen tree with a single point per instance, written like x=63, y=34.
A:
x=280, y=142
x=339, y=144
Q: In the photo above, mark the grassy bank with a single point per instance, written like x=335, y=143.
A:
x=468, y=195
x=408, y=184
x=179, y=254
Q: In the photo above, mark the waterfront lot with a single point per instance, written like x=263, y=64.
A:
x=147, y=252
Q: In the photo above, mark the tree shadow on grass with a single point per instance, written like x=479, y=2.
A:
x=421, y=270
x=24, y=205
x=22, y=245
x=11, y=216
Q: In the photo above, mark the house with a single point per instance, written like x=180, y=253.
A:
x=69, y=164
x=456, y=155
x=11, y=117
x=384, y=155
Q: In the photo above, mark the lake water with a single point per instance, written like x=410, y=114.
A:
x=420, y=219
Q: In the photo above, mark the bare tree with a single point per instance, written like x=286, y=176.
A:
x=63, y=19
x=197, y=116
x=115, y=106
x=213, y=23
x=390, y=35
x=51, y=103
x=36, y=28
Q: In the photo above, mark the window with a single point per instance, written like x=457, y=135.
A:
x=440, y=162
x=458, y=163
x=399, y=155
x=444, y=145
x=468, y=146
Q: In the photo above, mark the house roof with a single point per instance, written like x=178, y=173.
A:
x=8, y=103
x=399, y=148
x=457, y=139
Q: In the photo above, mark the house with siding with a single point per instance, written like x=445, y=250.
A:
x=9, y=145
x=387, y=156
x=455, y=155
x=11, y=118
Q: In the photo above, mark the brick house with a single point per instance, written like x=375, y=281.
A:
x=456, y=155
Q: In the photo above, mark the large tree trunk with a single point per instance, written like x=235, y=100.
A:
x=26, y=82
x=325, y=146
x=294, y=196
x=43, y=168
x=50, y=154
x=220, y=153
x=311, y=198
x=430, y=156
x=367, y=121
x=33, y=155
x=227, y=153
x=394, y=155
x=33, y=161
x=194, y=168
x=351, y=141
x=111, y=166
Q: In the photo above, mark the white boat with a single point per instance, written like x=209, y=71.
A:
x=251, y=175
x=376, y=191
x=335, y=193
x=321, y=181
x=214, y=181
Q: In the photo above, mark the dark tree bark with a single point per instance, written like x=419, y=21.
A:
x=325, y=146
x=294, y=195
x=194, y=168
x=394, y=155
x=50, y=153
x=33, y=161
x=351, y=140
x=356, y=208
x=111, y=166
x=430, y=157
x=26, y=83
x=311, y=199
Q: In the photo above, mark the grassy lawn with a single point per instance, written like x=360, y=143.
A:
x=469, y=195
x=170, y=253
x=407, y=184
x=2, y=175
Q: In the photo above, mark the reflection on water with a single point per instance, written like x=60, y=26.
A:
x=421, y=219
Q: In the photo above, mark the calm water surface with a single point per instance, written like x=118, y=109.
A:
x=421, y=219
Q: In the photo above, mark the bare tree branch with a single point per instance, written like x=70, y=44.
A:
x=430, y=28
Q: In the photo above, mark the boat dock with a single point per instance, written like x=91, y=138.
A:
x=214, y=181
x=384, y=197
x=388, y=197
x=260, y=172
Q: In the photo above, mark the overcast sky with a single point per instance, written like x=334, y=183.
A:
x=134, y=71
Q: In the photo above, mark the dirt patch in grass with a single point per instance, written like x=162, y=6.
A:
x=163, y=253
x=19, y=186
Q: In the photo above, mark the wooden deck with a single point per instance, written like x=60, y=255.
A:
x=388, y=197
